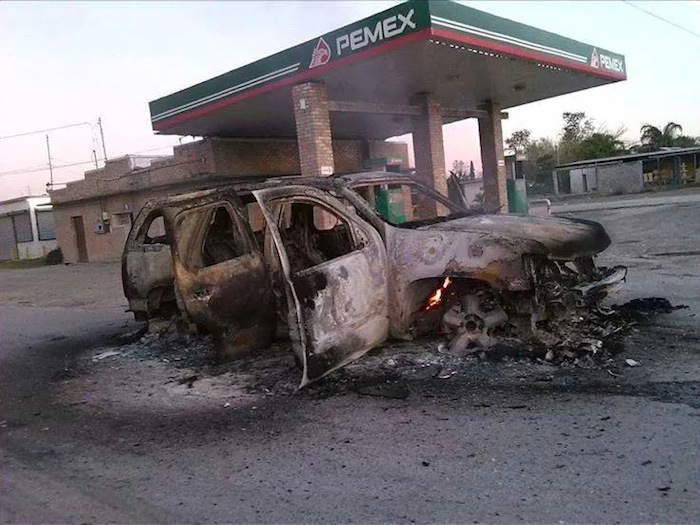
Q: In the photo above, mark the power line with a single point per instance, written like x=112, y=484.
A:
x=47, y=130
x=682, y=28
x=45, y=167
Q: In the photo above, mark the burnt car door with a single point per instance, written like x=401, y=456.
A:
x=147, y=265
x=335, y=267
x=221, y=279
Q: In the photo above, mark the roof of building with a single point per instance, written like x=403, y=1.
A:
x=463, y=56
x=662, y=153
x=23, y=198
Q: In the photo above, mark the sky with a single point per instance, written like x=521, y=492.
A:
x=68, y=63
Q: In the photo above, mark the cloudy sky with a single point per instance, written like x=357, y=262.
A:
x=69, y=63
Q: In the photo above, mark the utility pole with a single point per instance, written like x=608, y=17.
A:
x=94, y=158
x=48, y=152
x=102, y=137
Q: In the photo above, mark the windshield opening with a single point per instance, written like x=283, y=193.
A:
x=406, y=205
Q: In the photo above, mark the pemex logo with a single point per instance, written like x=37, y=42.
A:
x=321, y=54
x=595, y=61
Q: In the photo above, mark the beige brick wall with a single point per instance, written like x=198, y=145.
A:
x=105, y=246
x=277, y=156
x=255, y=157
x=347, y=156
x=187, y=163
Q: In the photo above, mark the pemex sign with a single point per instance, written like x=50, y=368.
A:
x=389, y=27
x=376, y=30
x=600, y=60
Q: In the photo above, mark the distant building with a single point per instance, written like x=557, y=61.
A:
x=629, y=173
x=26, y=228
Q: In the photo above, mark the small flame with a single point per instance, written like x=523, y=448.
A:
x=435, y=299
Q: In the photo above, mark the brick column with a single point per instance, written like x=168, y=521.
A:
x=313, y=129
x=493, y=163
x=429, y=152
x=428, y=146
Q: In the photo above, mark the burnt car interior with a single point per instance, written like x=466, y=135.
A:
x=222, y=242
x=312, y=234
x=210, y=235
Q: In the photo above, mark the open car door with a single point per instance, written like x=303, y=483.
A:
x=334, y=265
x=221, y=279
x=147, y=265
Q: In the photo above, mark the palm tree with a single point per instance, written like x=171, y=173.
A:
x=653, y=138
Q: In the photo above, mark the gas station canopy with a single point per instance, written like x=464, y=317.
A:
x=372, y=69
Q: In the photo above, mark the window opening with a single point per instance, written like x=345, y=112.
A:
x=156, y=231
x=313, y=234
x=222, y=241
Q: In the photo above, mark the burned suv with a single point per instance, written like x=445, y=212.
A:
x=341, y=264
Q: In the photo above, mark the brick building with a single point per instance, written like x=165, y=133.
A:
x=93, y=215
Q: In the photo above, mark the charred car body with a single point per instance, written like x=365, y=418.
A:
x=341, y=264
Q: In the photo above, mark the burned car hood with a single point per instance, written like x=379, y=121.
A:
x=562, y=238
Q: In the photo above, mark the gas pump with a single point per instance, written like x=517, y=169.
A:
x=515, y=183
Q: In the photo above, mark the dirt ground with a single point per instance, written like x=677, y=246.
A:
x=95, y=429
x=96, y=285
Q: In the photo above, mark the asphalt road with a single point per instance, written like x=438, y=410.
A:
x=506, y=443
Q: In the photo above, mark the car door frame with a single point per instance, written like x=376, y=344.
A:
x=337, y=310
x=233, y=298
x=137, y=281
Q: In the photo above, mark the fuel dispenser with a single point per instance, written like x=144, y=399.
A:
x=515, y=184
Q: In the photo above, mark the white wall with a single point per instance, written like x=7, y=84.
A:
x=576, y=178
x=471, y=189
x=34, y=248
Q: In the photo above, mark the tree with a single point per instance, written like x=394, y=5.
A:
x=542, y=155
x=519, y=140
x=458, y=169
x=684, y=141
x=577, y=128
x=601, y=143
x=653, y=138
x=460, y=172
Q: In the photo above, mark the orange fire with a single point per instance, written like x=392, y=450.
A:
x=435, y=299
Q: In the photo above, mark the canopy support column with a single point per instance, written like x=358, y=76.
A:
x=428, y=146
x=313, y=124
x=492, y=160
